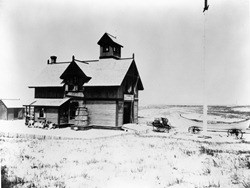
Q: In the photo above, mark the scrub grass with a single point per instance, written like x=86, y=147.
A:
x=128, y=160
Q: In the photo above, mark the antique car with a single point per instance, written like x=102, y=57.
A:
x=161, y=125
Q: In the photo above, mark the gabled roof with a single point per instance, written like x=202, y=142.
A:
x=12, y=103
x=104, y=72
x=74, y=70
x=50, y=76
x=108, y=39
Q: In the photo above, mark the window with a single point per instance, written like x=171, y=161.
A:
x=66, y=87
x=42, y=113
x=71, y=87
x=75, y=88
x=75, y=80
x=105, y=48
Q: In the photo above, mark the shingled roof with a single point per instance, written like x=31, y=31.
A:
x=104, y=72
x=50, y=76
x=108, y=38
x=49, y=102
x=12, y=103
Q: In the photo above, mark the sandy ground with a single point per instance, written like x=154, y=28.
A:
x=18, y=126
x=180, y=129
x=136, y=157
x=211, y=118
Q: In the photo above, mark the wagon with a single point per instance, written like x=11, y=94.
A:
x=237, y=132
x=194, y=129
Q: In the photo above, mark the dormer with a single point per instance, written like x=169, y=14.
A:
x=74, y=78
x=109, y=47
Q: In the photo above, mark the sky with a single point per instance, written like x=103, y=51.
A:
x=183, y=55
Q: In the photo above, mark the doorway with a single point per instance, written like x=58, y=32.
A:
x=72, y=111
x=16, y=113
x=127, y=113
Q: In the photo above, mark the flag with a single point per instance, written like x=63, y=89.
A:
x=206, y=6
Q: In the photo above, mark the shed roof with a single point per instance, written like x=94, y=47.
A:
x=12, y=103
x=49, y=102
x=105, y=72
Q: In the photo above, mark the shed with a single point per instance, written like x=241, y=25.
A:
x=11, y=109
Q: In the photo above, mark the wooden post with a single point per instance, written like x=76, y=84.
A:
x=58, y=114
x=69, y=112
x=116, y=113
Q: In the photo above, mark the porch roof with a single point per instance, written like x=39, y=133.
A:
x=49, y=102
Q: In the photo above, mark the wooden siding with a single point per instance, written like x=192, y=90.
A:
x=3, y=111
x=49, y=92
x=110, y=53
x=102, y=112
x=10, y=113
x=120, y=113
x=136, y=111
x=131, y=79
x=107, y=53
x=51, y=114
x=101, y=93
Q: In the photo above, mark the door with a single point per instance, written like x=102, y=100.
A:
x=127, y=113
x=16, y=113
x=72, y=111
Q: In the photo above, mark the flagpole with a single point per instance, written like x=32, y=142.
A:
x=204, y=75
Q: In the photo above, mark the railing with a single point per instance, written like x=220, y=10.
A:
x=75, y=94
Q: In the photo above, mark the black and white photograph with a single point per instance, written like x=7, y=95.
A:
x=125, y=94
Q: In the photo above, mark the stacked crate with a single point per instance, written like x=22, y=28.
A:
x=81, y=118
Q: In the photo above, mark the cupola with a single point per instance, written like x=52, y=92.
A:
x=109, y=47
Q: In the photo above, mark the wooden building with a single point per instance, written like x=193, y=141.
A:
x=11, y=109
x=101, y=92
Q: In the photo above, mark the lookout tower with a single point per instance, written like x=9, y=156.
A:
x=109, y=47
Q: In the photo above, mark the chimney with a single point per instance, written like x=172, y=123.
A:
x=53, y=59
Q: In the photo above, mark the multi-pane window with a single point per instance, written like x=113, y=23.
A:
x=42, y=113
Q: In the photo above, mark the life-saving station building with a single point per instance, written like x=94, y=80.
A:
x=101, y=92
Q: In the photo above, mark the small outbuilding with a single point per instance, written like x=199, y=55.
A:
x=11, y=109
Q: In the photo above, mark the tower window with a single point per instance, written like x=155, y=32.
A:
x=75, y=80
x=71, y=87
x=105, y=48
